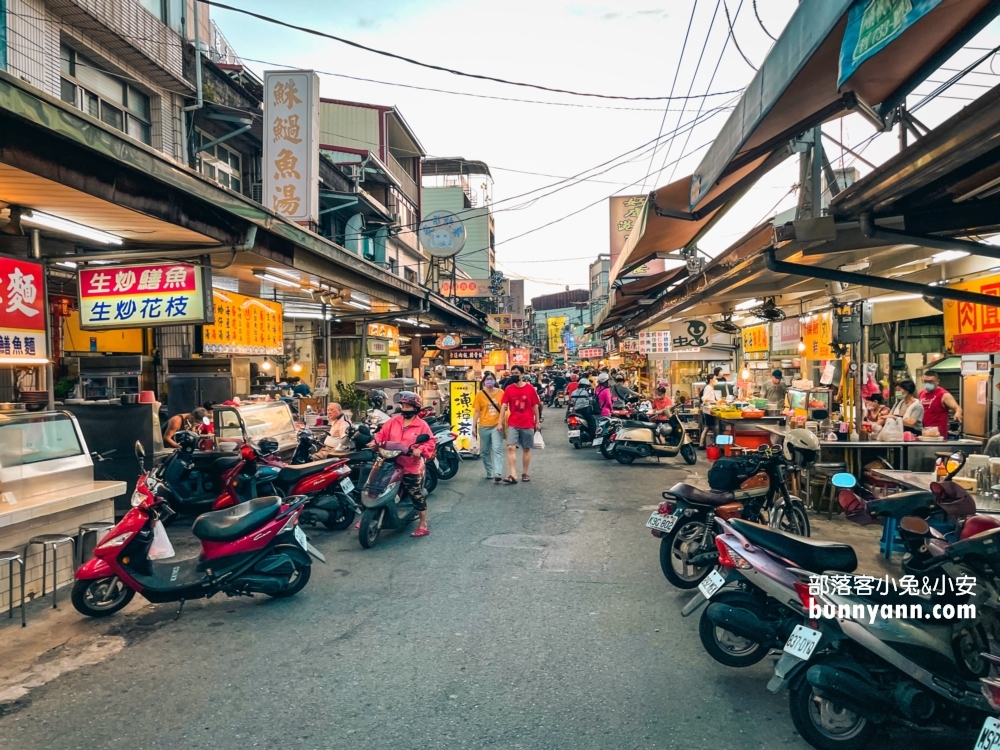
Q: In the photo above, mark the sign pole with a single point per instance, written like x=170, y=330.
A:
x=36, y=253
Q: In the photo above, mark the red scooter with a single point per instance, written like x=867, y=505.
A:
x=254, y=547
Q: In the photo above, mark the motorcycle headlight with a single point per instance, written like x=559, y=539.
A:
x=388, y=454
x=137, y=498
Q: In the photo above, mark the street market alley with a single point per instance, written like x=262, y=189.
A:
x=534, y=616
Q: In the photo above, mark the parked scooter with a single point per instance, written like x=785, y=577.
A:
x=193, y=481
x=685, y=521
x=386, y=503
x=255, y=547
x=654, y=439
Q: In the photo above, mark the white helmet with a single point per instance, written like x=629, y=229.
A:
x=584, y=383
x=602, y=378
x=801, y=447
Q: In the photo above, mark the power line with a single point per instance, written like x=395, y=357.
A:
x=732, y=34
x=762, y=26
x=430, y=66
x=677, y=71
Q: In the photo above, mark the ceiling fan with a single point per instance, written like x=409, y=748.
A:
x=769, y=311
x=726, y=325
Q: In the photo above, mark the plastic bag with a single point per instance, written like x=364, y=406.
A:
x=161, y=548
x=892, y=430
x=539, y=441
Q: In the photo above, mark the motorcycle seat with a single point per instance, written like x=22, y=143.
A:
x=902, y=504
x=362, y=456
x=808, y=554
x=292, y=474
x=634, y=423
x=699, y=496
x=230, y=524
x=226, y=462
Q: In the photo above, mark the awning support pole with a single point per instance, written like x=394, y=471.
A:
x=36, y=253
x=859, y=279
x=871, y=231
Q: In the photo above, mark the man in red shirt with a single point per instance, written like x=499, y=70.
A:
x=937, y=403
x=519, y=414
x=404, y=428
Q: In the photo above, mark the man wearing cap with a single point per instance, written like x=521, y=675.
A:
x=775, y=390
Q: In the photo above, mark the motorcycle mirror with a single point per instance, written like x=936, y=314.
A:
x=844, y=480
x=954, y=464
x=140, y=452
x=423, y=438
x=915, y=525
x=723, y=439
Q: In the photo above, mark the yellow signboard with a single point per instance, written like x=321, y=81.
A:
x=817, y=333
x=243, y=325
x=555, y=327
x=462, y=393
x=385, y=331
x=755, y=339
x=971, y=328
x=496, y=358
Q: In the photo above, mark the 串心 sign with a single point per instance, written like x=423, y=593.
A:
x=689, y=334
x=143, y=296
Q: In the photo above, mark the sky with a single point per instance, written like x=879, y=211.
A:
x=629, y=48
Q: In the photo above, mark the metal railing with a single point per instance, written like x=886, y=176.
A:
x=409, y=184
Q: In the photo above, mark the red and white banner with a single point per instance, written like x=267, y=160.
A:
x=142, y=296
x=22, y=311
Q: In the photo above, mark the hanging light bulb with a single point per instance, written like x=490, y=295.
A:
x=296, y=367
x=745, y=374
x=266, y=364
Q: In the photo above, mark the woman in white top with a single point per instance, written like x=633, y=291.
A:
x=908, y=407
x=709, y=396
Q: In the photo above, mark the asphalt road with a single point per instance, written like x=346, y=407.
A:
x=534, y=616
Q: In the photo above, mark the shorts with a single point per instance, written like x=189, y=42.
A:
x=522, y=436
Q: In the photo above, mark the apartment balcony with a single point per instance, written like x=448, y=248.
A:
x=408, y=184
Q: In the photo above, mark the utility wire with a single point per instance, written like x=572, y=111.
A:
x=732, y=33
x=677, y=71
x=430, y=66
x=762, y=26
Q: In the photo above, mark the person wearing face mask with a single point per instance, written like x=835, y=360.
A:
x=404, y=428
x=486, y=424
x=908, y=407
x=937, y=403
x=520, y=414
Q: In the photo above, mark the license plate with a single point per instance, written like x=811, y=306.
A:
x=346, y=484
x=989, y=737
x=802, y=642
x=713, y=583
x=574, y=433
x=661, y=523
x=598, y=441
x=300, y=537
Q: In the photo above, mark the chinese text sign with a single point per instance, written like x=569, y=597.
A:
x=22, y=310
x=142, y=296
x=462, y=393
x=243, y=325
x=291, y=144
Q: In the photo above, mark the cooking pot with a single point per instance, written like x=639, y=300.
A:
x=130, y=398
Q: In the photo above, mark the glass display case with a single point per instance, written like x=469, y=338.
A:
x=42, y=452
x=234, y=425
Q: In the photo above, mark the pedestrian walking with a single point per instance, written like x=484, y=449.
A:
x=486, y=427
x=519, y=414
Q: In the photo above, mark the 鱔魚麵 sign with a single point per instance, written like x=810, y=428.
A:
x=143, y=296
x=22, y=311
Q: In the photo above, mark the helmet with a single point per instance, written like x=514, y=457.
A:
x=408, y=398
x=267, y=446
x=801, y=447
x=602, y=378
x=977, y=525
x=376, y=398
x=186, y=439
x=574, y=377
x=584, y=383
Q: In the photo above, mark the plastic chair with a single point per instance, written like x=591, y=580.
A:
x=54, y=541
x=10, y=557
x=820, y=475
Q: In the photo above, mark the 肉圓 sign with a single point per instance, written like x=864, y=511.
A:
x=971, y=328
x=291, y=144
x=872, y=25
x=143, y=296
x=22, y=311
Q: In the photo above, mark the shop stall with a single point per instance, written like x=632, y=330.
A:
x=47, y=486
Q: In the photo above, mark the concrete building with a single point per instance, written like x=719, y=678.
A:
x=464, y=188
x=599, y=287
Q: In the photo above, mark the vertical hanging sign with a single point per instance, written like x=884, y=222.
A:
x=22, y=311
x=291, y=144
